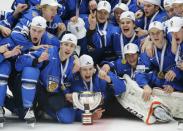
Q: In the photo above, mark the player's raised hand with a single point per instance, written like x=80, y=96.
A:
x=19, y=9
x=106, y=68
x=92, y=20
x=76, y=67
x=61, y=28
x=148, y=47
x=92, y=5
x=103, y=75
x=44, y=56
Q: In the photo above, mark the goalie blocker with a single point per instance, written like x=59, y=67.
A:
x=153, y=111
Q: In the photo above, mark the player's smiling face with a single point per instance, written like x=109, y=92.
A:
x=66, y=49
x=127, y=27
x=36, y=34
x=49, y=12
x=87, y=73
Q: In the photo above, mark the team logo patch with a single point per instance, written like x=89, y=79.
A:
x=52, y=86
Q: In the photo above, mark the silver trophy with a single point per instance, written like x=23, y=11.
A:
x=87, y=101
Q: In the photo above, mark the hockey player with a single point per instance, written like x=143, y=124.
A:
x=178, y=7
x=174, y=100
x=89, y=80
x=32, y=62
x=153, y=12
x=131, y=57
x=118, y=10
x=99, y=33
x=46, y=9
x=168, y=8
x=33, y=38
x=159, y=71
x=133, y=92
x=127, y=35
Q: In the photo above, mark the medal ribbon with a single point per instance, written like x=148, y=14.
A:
x=152, y=19
x=103, y=33
x=177, y=56
x=91, y=86
x=63, y=70
x=161, y=61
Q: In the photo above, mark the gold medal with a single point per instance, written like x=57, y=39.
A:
x=52, y=86
x=161, y=75
x=63, y=87
x=123, y=61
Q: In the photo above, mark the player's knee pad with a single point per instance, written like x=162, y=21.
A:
x=5, y=69
x=30, y=75
x=66, y=115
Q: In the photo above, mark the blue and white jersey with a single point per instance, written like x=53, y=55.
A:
x=32, y=12
x=57, y=71
x=144, y=22
x=98, y=85
x=119, y=41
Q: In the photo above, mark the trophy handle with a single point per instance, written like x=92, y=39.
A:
x=76, y=101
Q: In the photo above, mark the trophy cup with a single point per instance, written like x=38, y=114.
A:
x=87, y=101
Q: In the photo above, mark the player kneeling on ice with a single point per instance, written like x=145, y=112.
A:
x=87, y=85
x=150, y=111
x=55, y=78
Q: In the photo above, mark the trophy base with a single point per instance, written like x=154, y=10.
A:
x=87, y=119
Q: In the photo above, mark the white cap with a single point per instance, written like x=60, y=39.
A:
x=69, y=38
x=167, y=3
x=177, y=1
x=86, y=60
x=156, y=24
x=50, y=2
x=104, y=5
x=127, y=14
x=154, y=2
x=175, y=24
x=39, y=21
x=131, y=48
x=78, y=28
x=121, y=6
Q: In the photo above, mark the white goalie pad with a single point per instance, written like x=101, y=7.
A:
x=173, y=100
x=93, y=100
x=133, y=102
